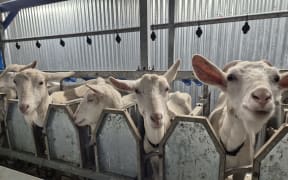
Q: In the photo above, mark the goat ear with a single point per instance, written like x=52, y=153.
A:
x=32, y=65
x=58, y=75
x=80, y=91
x=96, y=90
x=171, y=73
x=207, y=72
x=126, y=85
x=267, y=62
x=18, y=67
x=283, y=83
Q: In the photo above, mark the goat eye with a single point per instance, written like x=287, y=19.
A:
x=231, y=77
x=41, y=83
x=14, y=81
x=276, y=78
x=167, y=89
x=90, y=100
x=137, y=91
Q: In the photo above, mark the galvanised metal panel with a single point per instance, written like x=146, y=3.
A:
x=3, y=112
x=20, y=134
x=271, y=160
x=117, y=147
x=62, y=136
x=274, y=165
x=191, y=151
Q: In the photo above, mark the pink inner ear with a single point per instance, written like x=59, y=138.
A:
x=120, y=85
x=284, y=81
x=207, y=72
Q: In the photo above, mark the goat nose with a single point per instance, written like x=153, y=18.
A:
x=156, y=117
x=262, y=96
x=23, y=107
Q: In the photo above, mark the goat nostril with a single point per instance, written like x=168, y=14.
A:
x=268, y=98
x=254, y=96
x=24, y=107
x=156, y=117
x=262, y=96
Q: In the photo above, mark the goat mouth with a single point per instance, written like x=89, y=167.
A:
x=259, y=112
x=24, y=112
x=156, y=125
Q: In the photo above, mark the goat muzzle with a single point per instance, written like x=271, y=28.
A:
x=23, y=108
x=261, y=96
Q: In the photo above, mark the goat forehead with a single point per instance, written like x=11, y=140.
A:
x=255, y=68
x=150, y=81
x=32, y=74
x=21, y=76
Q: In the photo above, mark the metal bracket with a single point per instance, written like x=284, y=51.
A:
x=9, y=18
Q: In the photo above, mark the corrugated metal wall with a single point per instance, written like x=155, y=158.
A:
x=76, y=16
x=220, y=42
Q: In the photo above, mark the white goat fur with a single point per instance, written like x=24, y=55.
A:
x=247, y=102
x=74, y=93
x=97, y=97
x=7, y=76
x=31, y=87
x=179, y=103
x=152, y=95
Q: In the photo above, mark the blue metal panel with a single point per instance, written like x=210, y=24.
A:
x=9, y=18
x=11, y=5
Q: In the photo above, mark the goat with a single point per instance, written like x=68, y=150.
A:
x=97, y=97
x=152, y=94
x=179, y=103
x=74, y=93
x=247, y=102
x=6, y=78
x=31, y=87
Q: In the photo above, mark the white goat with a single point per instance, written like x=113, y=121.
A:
x=31, y=87
x=97, y=98
x=74, y=93
x=152, y=94
x=6, y=78
x=249, y=90
x=179, y=103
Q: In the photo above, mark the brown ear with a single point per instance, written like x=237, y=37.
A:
x=230, y=64
x=283, y=83
x=207, y=72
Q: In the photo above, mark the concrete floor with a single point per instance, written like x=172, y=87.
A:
x=248, y=177
x=10, y=174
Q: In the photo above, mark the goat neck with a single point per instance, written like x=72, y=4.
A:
x=232, y=132
x=38, y=116
x=155, y=135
